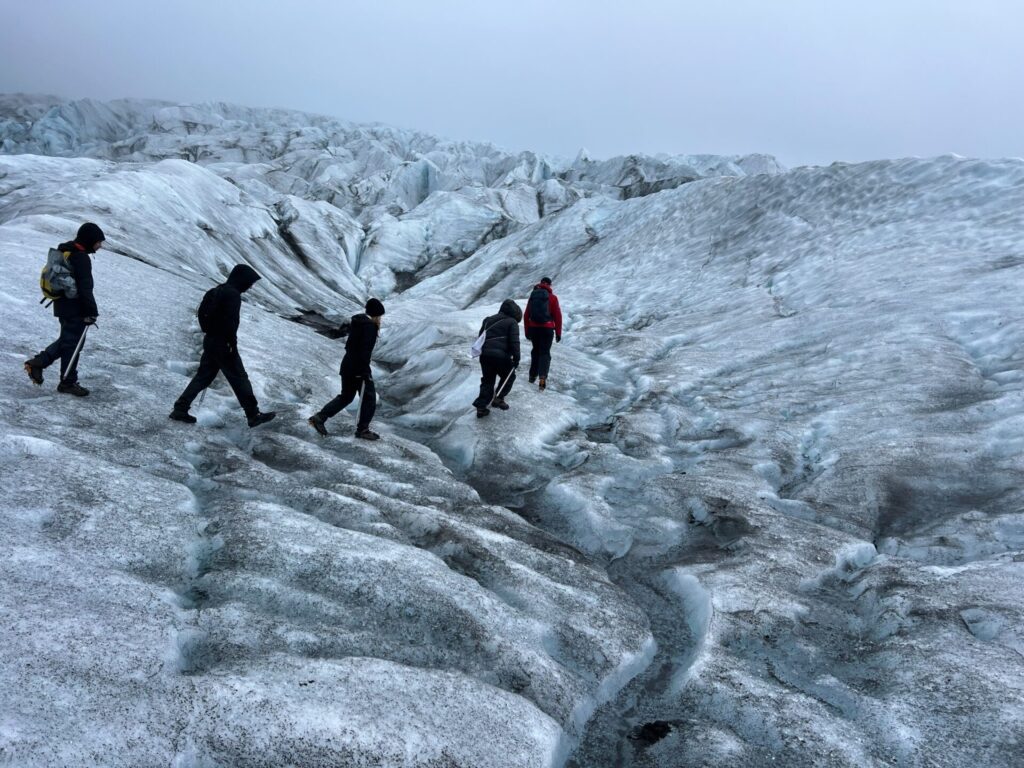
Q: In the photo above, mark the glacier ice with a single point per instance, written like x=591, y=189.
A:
x=769, y=507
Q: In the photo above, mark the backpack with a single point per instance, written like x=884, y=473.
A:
x=206, y=309
x=478, y=346
x=538, y=307
x=57, y=281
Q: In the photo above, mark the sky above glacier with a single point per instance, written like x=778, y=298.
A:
x=806, y=80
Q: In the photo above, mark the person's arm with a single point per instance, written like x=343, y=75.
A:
x=82, y=270
x=363, y=338
x=231, y=309
x=513, y=341
x=556, y=314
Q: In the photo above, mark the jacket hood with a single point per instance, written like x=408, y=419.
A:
x=511, y=309
x=546, y=286
x=362, y=318
x=242, y=277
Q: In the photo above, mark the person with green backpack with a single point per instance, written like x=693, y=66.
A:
x=67, y=282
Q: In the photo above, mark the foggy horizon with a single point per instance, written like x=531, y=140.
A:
x=807, y=84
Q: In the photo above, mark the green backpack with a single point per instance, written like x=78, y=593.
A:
x=57, y=281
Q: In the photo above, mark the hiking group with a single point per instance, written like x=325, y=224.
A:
x=68, y=283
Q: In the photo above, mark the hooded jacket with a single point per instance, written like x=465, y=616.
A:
x=502, y=342
x=362, y=337
x=553, y=309
x=80, y=264
x=221, y=306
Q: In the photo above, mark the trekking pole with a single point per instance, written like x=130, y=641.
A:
x=501, y=386
x=74, y=357
x=203, y=395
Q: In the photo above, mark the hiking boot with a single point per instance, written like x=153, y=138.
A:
x=74, y=388
x=499, y=402
x=533, y=379
x=366, y=434
x=261, y=418
x=34, y=371
x=183, y=416
x=317, y=423
x=481, y=412
x=542, y=383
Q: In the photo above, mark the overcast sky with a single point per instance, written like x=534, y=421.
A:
x=810, y=81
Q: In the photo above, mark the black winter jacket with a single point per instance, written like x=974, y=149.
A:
x=84, y=304
x=362, y=337
x=221, y=306
x=502, y=341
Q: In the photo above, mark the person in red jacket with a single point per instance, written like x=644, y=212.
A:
x=543, y=323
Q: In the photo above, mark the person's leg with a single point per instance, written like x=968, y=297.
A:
x=46, y=357
x=534, y=357
x=507, y=374
x=71, y=331
x=238, y=379
x=209, y=366
x=542, y=340
x=349, y=390
x=367, y=405
x=487, y=374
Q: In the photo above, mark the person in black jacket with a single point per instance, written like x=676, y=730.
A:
x=218, y=317
x=355, y=374
x=499, y=357
x=74, y=314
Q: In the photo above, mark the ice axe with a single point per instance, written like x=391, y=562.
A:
x=78, y=351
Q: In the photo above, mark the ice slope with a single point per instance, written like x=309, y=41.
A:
x=413, y=202
x=215, y=596
x=782, y=433
x=787, y=413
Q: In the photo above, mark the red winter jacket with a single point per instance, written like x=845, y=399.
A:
x=553, y=309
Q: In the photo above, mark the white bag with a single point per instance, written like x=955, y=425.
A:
x=478, y=346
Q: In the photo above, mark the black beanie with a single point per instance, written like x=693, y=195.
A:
x=374, y=308
x=546, y=280
x=89, y=234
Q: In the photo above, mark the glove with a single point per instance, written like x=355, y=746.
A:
x=558, y=338
x=89, y=320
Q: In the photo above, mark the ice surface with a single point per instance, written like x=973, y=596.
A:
x=768, y=509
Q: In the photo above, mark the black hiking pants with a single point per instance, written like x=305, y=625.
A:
x=220, y=357
x=492, y=371
x=350, y=387
x=71, y=330
x=540, y=354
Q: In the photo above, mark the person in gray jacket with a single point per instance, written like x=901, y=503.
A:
x=499, y=357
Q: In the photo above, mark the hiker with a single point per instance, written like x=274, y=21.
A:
x=543, y=323
x=356, y=377
x=499, y=357
x=75, y=309
x=218, y=317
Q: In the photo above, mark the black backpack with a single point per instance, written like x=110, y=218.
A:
x=207, y=307
x=538, y=307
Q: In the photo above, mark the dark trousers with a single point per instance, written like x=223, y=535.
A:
x=540, y=355
x=493, y=370
x=220, y=357
x=71, y=330
x=350, y=387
